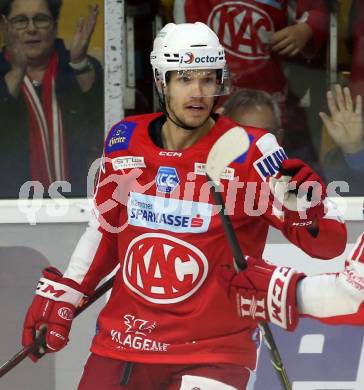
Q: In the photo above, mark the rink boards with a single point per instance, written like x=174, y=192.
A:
x=316, y=356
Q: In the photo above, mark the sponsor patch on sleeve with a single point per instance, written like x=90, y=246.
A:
x=120, y=136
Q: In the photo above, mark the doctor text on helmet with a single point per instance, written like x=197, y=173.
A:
x=190, y=58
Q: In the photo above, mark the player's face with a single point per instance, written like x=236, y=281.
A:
x=190, y=96
x=31, y=24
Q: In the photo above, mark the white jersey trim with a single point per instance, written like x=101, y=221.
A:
x=84, y=253
x=330, y=295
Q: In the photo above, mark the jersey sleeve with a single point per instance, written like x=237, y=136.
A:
x=330, y=239
x=336, y=298
x=315, y=13
x=95, y=255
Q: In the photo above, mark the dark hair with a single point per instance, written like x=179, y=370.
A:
x=250, y=98
x=54, y=7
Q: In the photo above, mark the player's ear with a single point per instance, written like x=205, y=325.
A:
x=159, y=84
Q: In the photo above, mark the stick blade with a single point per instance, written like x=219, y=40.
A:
x=225, y=150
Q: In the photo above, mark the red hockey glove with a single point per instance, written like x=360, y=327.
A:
x=53, y=306
x=265, y=292
x=301, y=192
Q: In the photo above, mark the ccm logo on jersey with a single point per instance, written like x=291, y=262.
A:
x=269, y=164
x=170, y=154
x=163, y=269
x=128, y=162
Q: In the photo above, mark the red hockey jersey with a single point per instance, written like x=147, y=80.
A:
x=156, y=219
x=245, y=28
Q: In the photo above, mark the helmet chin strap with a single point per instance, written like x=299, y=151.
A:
x=179, y=123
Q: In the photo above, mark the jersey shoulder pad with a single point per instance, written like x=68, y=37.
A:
x=121, y=133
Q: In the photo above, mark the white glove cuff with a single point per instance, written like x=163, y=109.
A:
x=277, y=296
x=58, y=292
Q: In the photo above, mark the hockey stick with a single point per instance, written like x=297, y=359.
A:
x=226, y=149
x=40, y=339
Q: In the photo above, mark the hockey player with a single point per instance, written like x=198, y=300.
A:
x=154, y=216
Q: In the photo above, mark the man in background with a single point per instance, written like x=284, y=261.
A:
x=50, y=98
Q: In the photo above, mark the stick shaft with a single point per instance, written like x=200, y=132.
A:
x=240, y=261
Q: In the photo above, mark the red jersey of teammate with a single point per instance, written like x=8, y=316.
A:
x=155, y=217
x=245, y=27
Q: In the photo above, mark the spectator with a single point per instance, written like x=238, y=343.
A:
x=345, y=126
x=259, y=109
x=255, y=108
x=50, y=98
x=257, y=35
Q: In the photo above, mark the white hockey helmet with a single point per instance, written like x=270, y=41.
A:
x=189, y=46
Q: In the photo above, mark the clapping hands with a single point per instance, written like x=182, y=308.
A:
x=17, y=56
x=81, y=39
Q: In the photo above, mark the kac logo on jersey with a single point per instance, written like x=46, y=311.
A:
x=120, y=136
x=167, y=179
x=163, y=269
x=244, y=29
